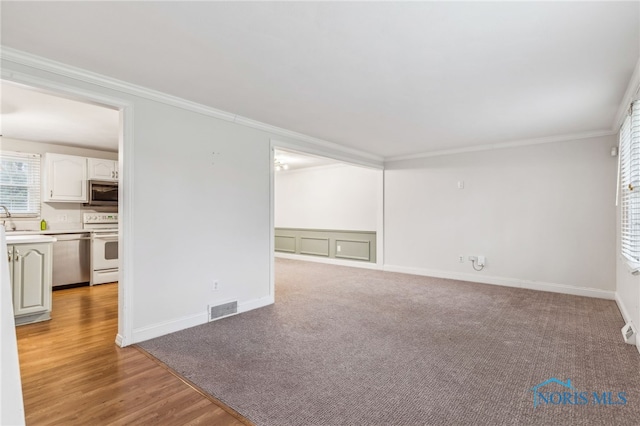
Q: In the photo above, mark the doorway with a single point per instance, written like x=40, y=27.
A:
x=326, y=210
x=46, y=118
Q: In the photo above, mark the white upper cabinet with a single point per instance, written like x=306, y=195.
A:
x=100, y=169
x=65, y=178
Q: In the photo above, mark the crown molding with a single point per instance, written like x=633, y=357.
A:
x=632, y=92
x=503, y=145
x=58, y=68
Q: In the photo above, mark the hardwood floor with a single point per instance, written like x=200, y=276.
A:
x=74, y=374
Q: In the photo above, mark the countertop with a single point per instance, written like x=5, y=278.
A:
x=30, y=238
x=50, y=232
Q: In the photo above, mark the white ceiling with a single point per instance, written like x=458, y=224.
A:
x=296, y=160
x=35, y=116
x=389, y=78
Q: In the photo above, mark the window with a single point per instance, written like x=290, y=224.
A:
x=20, y=183
x=630, y=184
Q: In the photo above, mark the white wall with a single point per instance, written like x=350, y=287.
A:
x=193, y=216
x=543, y=215
x=199, y=216
x=195, y=199
x=340, y=197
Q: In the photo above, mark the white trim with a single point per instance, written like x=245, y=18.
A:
x=62, y=90
x=344, y=155
x=625, y=314
x=632, y=267
x=293, y=171
x=506, y=282
x=380, y=222
x=250, y=305
x=622, y=308
x=322, y=144
x=503, y=145
x=272, y=226
x=23, y=58
x=125, y=205
x=633, y=89
x=125, y=225
x=120, y=340
x=330, y=261
x=166, y=327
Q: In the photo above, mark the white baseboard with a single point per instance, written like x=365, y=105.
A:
x=507, y=282
x=160, y=329
x=156, y=330
x=330, y=261
x=622, y=308
x=255, y=304
x=625, y=315
x=120, y=340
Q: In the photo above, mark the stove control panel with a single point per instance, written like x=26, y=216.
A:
x=100, y=218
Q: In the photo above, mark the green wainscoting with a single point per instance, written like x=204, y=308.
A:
x=335, y=244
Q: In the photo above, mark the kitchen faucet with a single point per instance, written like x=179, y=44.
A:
x=7, y=214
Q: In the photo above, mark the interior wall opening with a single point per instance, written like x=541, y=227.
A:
x=326, y=210
x=78, y=141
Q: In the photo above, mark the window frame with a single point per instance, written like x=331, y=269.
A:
x=33, y=201
x=629, y=187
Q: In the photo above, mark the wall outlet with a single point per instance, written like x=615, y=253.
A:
x=215, y=285
x=481, y=260
x=339, y=248
x=473, y=258
x=461, y=259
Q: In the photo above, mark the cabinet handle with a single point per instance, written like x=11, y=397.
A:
x=9, y=256
x=51, y=193
x=17, y=256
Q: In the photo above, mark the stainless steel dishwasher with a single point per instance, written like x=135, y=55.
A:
x=71, y=258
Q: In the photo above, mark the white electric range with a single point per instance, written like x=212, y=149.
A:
x=104, y=246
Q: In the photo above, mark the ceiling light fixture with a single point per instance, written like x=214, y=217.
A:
x=279, y=165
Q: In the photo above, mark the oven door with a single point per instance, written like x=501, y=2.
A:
x=104, y=257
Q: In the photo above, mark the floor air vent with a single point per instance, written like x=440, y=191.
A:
x=219, y=311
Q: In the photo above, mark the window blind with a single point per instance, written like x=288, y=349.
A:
x=20, y=183
x=630, y=184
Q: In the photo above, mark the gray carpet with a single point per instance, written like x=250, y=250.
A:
x=346, y=346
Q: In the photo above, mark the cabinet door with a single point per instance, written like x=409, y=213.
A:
x=66, y=178
x=101, y=169
x=31, y=278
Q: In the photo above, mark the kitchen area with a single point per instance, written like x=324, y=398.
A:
x=58, y=196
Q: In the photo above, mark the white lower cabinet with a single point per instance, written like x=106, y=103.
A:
x=30, y=268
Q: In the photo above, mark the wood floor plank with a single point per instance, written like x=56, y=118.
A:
x=74, y=374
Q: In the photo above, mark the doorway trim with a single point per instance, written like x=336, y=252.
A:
x=125, y=201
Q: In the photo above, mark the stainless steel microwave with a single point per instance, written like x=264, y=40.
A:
x=103, y=193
